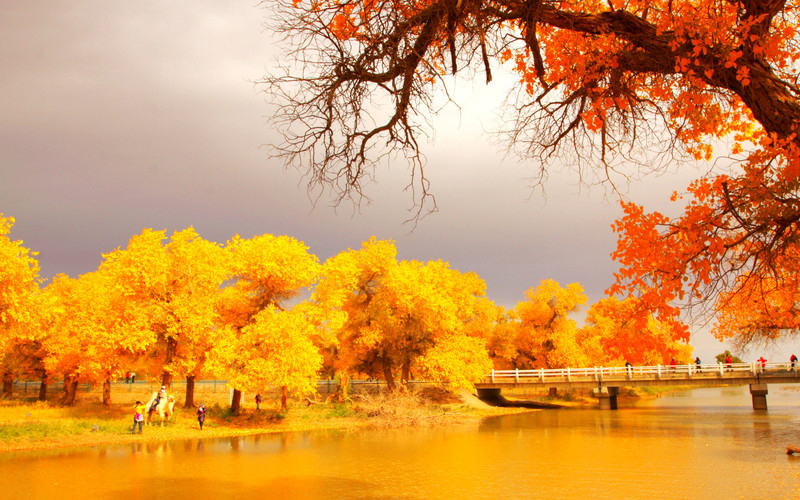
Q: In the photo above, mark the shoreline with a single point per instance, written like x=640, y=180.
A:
x=29, y=426
x=91, y=429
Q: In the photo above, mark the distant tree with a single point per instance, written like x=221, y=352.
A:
x=501, y=339
x=275, y=349
x=19, y=271
x=267, y=272
x=92, y=333
x=173, y=288
x=547, y=337
x=402, y=316
x=721, y=357
x=615, y=333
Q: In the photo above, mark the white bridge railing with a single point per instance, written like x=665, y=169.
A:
x=600, y=373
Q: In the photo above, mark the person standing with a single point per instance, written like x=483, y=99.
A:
x=697, y=364
x=201, y=415
x=138, y=416
x=793, y=360
x=258, y=401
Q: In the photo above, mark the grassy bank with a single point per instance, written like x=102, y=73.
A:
x=27, y=425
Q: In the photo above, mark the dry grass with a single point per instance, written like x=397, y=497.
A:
x=428, y=406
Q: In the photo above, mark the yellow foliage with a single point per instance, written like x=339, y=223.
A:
x=276, y=349
x=395, y=312
x=546, y=336
x=18, y=283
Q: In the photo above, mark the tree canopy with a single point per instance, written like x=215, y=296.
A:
x=612, y=86
x=262, y=313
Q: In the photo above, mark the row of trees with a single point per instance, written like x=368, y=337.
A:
x=263, y=312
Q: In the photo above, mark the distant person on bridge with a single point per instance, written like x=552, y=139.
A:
x=793, y=360
x=672, y=364
x=763, y=362
x=728, y=361
x=697, y=363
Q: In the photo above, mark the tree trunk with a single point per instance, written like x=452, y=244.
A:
x=166, y=379
x=107, y=392
x=284, y=398
x=70, y=389
x=8, y=384
x=172, y=347
x=405, y=374
x=388, y=376
x=236, y=402
x=189, y=401
x=342, y=391
x=43, y=387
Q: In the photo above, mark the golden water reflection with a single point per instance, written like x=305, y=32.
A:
x=705, y=444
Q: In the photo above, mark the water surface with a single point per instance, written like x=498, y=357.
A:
x=704, y=444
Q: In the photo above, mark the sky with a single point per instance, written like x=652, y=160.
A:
x=117, y=116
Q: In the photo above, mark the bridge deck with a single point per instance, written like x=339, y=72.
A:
x=696, y=375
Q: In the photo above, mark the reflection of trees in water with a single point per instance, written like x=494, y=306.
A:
x=161, y=448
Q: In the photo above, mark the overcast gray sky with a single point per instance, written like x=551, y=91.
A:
x=117, y=116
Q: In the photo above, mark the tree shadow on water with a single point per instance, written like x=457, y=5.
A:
x=289, y=487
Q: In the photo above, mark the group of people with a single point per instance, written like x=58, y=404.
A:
x=140, y=409
x=728, y=363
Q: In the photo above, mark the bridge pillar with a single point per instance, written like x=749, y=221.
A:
x=759, y=394
x=607, y=397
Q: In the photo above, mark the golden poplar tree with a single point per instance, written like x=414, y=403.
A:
x=172, y=289
x=262, y=341
x=547, y=337
x=401, y=316
x=615, y=333
x=19, y=271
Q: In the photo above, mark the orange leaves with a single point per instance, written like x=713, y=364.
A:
x=343, y=25
x=544, y=335
x=733, y=55
x=626, y=331
x=732, y=244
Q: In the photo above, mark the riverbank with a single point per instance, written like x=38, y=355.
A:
x=30, y=425
x=26, y=425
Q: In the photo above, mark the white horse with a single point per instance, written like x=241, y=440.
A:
x=165, y=409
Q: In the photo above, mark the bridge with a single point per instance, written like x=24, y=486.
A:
x=606, y=381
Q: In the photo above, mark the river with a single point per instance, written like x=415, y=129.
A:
x=701, y=444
